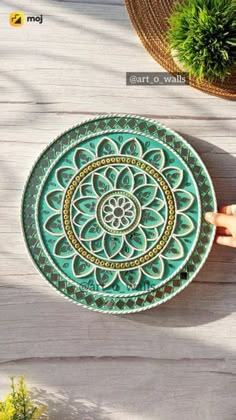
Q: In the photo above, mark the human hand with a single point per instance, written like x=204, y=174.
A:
x=225, y=221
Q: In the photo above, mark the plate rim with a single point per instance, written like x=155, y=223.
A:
x=214, y=200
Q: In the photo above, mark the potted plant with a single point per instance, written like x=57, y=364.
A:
x=18, y=405
x=202, y=37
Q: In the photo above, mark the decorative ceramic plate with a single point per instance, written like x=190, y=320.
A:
x=113, y=213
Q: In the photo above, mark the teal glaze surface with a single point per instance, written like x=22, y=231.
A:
x=116, y=235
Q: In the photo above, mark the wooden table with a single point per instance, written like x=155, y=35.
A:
x=173, y=362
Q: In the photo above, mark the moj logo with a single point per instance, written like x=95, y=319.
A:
x=18, y=19
x=38, y=19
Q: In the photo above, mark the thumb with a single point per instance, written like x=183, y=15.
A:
x=219, y=219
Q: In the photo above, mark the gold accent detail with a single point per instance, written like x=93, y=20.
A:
x=70, y=192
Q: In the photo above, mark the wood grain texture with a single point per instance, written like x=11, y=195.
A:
x=175, y=361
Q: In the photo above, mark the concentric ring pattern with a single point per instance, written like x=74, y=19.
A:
x=113, y=213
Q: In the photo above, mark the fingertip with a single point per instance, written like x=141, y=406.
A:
x=209, y=217
x=225, y=240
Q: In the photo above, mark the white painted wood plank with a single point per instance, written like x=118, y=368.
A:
x=129, y=388
x=175, y=361
x=37, y=322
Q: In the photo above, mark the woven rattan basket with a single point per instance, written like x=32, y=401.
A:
x=150, y=20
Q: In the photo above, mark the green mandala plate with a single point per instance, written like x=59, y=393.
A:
x=113, y=213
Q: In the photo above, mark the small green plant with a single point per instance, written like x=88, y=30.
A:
x=18, y=405
x=202, y=35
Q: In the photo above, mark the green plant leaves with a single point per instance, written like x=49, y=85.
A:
x=202, y=36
